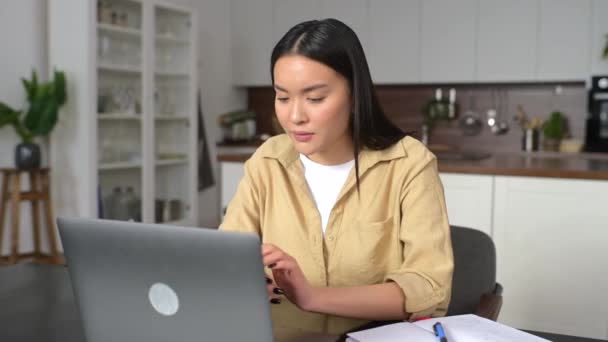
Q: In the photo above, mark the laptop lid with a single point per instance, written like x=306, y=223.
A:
x=148, y=282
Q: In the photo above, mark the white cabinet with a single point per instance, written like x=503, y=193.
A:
x=599, y=65
x=550, y=237
x=394, y=40
x=352, y=12
x=447, y=41
x=506, y=45
x=130, y=121
x=288, y=13
x=252, y=41
x=469, y=199
x=564, y=40
x=231, y=175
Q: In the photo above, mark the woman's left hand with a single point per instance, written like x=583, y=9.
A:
x=288, y=276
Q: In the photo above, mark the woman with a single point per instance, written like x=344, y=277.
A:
x=351, y=211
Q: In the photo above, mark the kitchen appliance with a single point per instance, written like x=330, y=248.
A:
x=596, y=138
x=237, y=126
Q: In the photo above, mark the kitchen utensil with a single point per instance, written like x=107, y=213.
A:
x=492, y=112
x=470, y=123
x=502, y=123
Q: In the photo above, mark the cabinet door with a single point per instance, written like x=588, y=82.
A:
x=550, y=237
x=354, y=13
x=469, y=200
x=393, y=53
x=252, y=41
x=506, y=46
x=599, y=65
x=288, y=13
x=448, y=40
x=564, y=34
x=231, y=174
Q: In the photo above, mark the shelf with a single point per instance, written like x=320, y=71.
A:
x=125, y=31
x=171, y=39
x=172, y=73
x=183, y=222
x=172, y=118
x=118, y=116
x=119, y=68
x=176, y=161
x=119, y=166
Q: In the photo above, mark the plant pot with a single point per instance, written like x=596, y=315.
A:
x=27, y=156
x=551, y=144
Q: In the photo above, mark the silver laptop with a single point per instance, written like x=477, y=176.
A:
x=148, y=282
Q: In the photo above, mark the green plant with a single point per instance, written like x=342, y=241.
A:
x=555, y=126
x=44, y=100
x=605, y=54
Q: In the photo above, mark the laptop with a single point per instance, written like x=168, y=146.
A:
x=150, y=282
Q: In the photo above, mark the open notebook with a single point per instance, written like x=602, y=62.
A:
x=463, y=328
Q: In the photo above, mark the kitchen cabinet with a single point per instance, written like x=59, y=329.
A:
x=599, y=65
x=394, y=41
x=352, y=12
x=130, y=120
x=252, y=41
x=507, y=40
x=288, y=13
x=564, y=40
x=447, y=40
x=231, y=174
x=550, y=237
x=469, y=200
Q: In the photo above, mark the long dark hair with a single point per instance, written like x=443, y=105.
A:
x=333, y=43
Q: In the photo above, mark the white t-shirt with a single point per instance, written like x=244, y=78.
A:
x=325, y=183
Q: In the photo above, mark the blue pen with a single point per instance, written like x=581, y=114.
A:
x=439, y=332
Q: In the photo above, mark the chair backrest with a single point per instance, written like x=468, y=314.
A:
x=474, y=269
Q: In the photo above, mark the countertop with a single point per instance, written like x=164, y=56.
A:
x=534, y=164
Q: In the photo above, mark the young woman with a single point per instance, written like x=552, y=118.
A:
x=350, y=210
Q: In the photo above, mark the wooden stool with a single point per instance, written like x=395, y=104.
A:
x=39, y=191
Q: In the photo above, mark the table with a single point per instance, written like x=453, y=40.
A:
x=37, y=305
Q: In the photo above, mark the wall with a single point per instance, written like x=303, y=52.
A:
x=403, y=105
x=19, y=56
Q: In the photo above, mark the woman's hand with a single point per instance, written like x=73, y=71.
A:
x=289, y=279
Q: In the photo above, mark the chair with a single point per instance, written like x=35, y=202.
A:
x=474, y=286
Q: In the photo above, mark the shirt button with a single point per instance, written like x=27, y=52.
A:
x=330, y=238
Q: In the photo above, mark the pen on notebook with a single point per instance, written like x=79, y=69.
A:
x=439, y=332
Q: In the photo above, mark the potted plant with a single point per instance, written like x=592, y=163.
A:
x=554, y=130
x=38, y=119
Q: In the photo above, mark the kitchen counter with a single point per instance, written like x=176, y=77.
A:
x=536, y=164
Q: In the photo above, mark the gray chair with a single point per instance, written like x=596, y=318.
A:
x=474, y=286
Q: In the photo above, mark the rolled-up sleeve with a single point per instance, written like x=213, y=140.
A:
x=243, y=212
x=425, y=275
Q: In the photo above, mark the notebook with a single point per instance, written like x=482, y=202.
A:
x=469, y=328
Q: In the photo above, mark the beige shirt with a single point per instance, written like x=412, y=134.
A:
x=396, y=229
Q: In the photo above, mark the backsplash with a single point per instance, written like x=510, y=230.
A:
x=404, y=104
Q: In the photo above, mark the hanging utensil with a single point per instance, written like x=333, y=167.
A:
x=470, y=123
x=502, y=124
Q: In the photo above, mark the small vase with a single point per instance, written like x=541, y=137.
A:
x=529, y=141
x=27, y=156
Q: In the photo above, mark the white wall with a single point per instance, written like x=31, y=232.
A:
x=23, y=37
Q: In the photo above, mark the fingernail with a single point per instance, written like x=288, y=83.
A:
x=272, y=265
x=268, y=281
x=275, y=301
x=278, y=291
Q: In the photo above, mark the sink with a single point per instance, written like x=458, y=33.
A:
x=462, y=155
